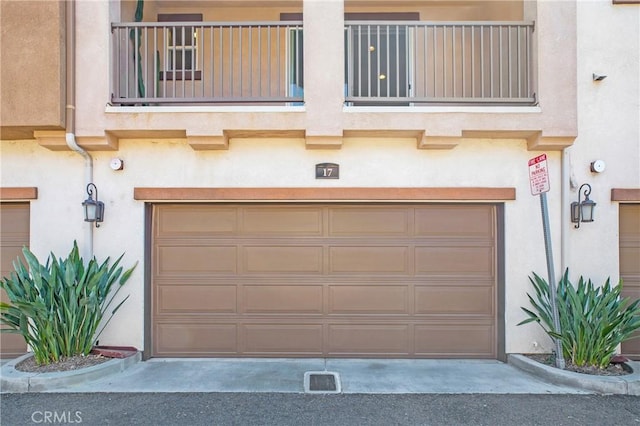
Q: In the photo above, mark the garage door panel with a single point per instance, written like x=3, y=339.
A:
x=285, y=221
x=173, y=299
x=282, y=338
x=366, y=299
x=13, y=345
x=367, y=221
x=455, y=221
x=629, y=258
x=630, y=222
x=455, y=260
x=194, y=260
x=196, y=221
x=367, y=259
x=283, y=299
x=320, y=280
x=10, y=254
x=14, y=235
x=14, y=222
x=451, y=300
x=386, y=339
x=630, y=265
x=631, y=348
x=466, y=340
x=631, y=286
x=180, y=339
x=282, y=260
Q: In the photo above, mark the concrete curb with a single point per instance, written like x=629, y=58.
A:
x=12, y=380
x=619, y=385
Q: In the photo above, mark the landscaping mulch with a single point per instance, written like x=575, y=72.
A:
x=66, y=364
x=611, y=370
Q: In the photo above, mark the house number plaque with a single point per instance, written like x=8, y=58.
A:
x=327, y=171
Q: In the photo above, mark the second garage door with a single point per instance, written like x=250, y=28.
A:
x=14, y=235
x=630, y=265
x=331, y=280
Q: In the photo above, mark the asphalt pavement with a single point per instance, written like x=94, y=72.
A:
x=283, y=409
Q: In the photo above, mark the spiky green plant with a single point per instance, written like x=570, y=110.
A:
x=59, y=307
x=593, y=320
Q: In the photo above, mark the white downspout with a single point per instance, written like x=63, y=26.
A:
x=568, y=183
x=70, y=113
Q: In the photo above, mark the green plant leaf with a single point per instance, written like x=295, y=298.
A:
x=58, y=306
x=594, y=320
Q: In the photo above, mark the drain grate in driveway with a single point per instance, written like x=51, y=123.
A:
x=322, y=382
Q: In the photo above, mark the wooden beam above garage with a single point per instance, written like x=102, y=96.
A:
x=18, y=193
x=325, y=194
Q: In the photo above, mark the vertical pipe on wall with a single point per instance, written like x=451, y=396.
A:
x=70, y=111
x=565, y=178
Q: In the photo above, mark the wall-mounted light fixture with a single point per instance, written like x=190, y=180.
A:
x=582, y=211
x=598, y=77
x=93, y=209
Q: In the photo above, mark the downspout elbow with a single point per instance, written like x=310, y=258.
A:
x=73, y=145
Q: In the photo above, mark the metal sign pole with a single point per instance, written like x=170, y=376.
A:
x=552, y=280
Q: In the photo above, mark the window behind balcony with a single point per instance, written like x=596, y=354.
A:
x=378, y=60
x=378, y=56
x=180, y=58
x=295, y=61
x=181, y=49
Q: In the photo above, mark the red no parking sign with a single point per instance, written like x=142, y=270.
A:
x=539, y=174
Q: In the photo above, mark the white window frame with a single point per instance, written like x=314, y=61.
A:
x=173, y=50
x=294, y=37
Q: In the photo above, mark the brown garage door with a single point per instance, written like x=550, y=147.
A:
x=324, y=280
x=14, y=234
x=630, y=264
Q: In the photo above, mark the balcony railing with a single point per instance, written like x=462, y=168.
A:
x=207, y=63
x=387, y=63
x=439, y=63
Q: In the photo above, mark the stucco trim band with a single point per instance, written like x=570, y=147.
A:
x=625, y=194
x=18, y=193
x=325, y=194
x=56, y=141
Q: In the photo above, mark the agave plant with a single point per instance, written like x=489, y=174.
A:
x=594, y=321
x=59, y=307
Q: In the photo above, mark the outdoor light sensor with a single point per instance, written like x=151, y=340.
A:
x=116, y=164
x=598, y=166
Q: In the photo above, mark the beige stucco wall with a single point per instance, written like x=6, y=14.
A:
x=609, y=127
x=604, y=116
x=608, y=113
x=57, y=213
x=32, y=82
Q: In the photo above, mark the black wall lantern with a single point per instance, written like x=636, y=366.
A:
x=582, y=211
x=93, y=209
